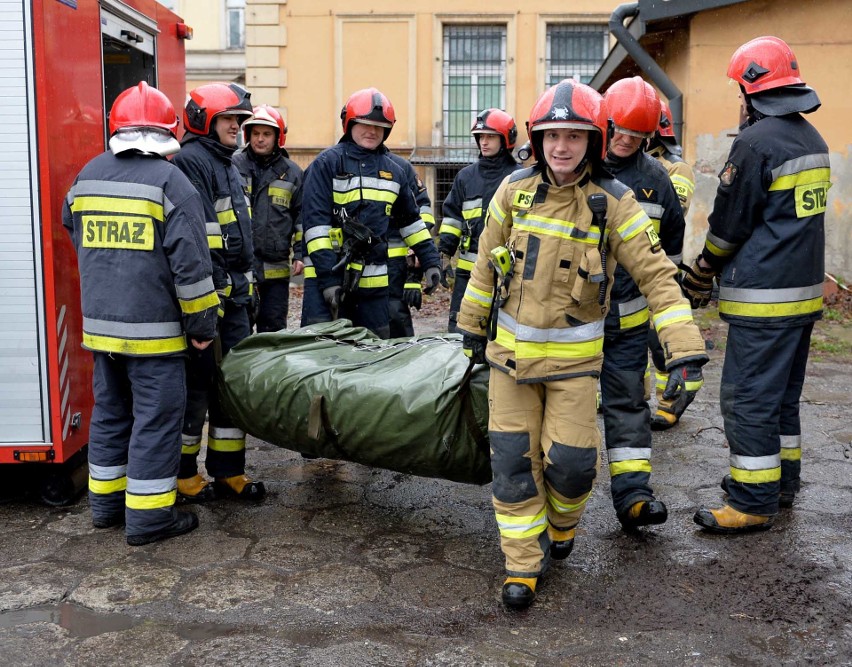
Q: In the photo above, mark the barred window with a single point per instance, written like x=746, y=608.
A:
x=474, y=76
x=574, y=51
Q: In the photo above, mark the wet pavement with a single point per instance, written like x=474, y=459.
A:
x=347, y=565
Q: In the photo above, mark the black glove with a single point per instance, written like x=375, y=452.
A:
x=412, y=294
x=254, y=306
x=474, y=347
x=697, y=284
x=433, y=279
x=685, y=379
x=446, y=270
x=332, y=296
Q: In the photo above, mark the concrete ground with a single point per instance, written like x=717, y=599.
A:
x=347, y=565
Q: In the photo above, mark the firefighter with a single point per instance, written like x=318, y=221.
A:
x=404, y=271
x=553, y=233
x=634, y=111
x=146, y=286
x=212, y=118
x=664, y=147
x=464, y=208
x=353, y=192
x=766, y=247
x=274, y=184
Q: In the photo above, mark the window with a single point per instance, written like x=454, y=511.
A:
x=574, y=52
x=474, y=77
x=235, y=24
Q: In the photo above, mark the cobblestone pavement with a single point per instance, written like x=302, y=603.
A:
x=347, y=565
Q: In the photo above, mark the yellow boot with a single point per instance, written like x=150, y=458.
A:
x=561, y=542
x=195, y=489
x=239, y=486
x=729, y=521
x=519, y=592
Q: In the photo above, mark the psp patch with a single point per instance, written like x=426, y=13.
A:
x=728, y=173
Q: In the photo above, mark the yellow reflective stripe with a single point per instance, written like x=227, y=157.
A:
x=280, y=196
x=370, y=194
x=397, y=252
x=373, y=281
x=191, y=449
x=450, y=229
x=465, y=264
x=190, y=306
x=472, y=213
x=150, y=502
x=635, y=225
x=272, y=274
x=549, y=349
x=129, y=346
x=517, y=527
x=321, y=243
x=310, y=272
x=118, y=205
x=631, y=465
x=634, y=319
x=561, y=229
x=791, y=454
x=716, y=251
x=226, y=445
x=427, y=218
x=684, y=182
x=565, y=508
x=412, y=286
x=226, y=217
x=674, y=315
x=806, y=177
x=756, y=476
x=422, y=235
x=771, y=309
x=477, y=296
x=496, y=212
x=103, y=487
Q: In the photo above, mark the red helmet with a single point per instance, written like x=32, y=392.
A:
x=568, y=104
x=142, y=106
x=206, y=102
x=266, y=115
x=496, y=121
x=368, y=106
x=633, y=106
x=666, y=128
x=764, y=63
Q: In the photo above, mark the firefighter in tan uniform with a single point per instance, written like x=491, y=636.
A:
x=538, y=322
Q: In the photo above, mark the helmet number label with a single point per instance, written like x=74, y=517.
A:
x=122, y=232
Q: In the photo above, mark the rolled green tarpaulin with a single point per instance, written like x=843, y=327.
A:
x=339, y=392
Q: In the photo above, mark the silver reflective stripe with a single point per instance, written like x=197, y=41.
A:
x=451, y=222
x=628, y=454
x=189, y=439
x=132, y=329
x=249, y=276
x=284, y=185
x=316, y=232
x=367, y=182
x=495, y=212
x=396, y=243
x=425, y=210
x=675, y=259
x=107, y=473
x=372, y=270
x=632, y=306
x=558, y=227
x=200, y=288
x=213, y=228
x=802, y=163
x=469, y=256
x=116, y=189
x=147, y=487
x=223, y=204
x=221, y=433
x=791, y=442
x=720, y=243
x=274, y=266
x=472, y=204
x=653, y=210
x=755, y=462
x=523, y=332
x=416, y=226
x=520, y=528
x=306, y=260
x=783, y=295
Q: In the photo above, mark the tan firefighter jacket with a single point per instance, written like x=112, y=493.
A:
x=551, y=323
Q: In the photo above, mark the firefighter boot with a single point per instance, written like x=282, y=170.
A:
x=195, y=489
x=643, y=513
x=239, y=486
x=561, y=542
x=728, y=521
x=519, y=592
x=184, y=522
x=108, y=521
x=785, y=499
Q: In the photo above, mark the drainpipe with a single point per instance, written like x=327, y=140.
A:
x=646, y=63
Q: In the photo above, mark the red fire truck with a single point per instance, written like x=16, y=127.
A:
x=62, y=64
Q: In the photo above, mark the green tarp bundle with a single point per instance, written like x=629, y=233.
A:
x=339, y=392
